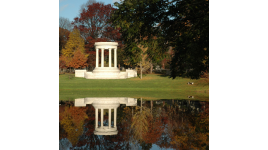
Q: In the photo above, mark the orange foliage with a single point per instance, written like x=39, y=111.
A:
x=79, y=60
x=62, y=63
x=155, y=130
x=72, y=120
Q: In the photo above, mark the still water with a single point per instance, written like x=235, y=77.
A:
x=129, y=123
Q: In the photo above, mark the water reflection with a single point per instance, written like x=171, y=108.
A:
x=102, y=104
x=128, y=123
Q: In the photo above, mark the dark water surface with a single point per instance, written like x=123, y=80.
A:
x=133, y=124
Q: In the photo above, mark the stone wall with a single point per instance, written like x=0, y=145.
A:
x=131, y=73
x=80, y=73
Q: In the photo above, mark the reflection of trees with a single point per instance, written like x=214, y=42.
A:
x=140, y=122
x=72, y=120
x=155, y=127
x=192, y=130
x=63, y=134
x=145, y=146
x=88, y=140
x=164, y=140
x=155, y=130
x=146, y=125
x=124, y=130
x=169, y=125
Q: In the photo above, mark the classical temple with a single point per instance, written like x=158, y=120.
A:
x=110, y=72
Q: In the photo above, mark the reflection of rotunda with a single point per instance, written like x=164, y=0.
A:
x=111, y=104
x=102, y=72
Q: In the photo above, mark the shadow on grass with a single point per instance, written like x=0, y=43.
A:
x=67, y=75
x=143, y=75
x=156, y=74
x=163, y=75
x=178, y=76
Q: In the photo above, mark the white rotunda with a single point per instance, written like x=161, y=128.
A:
x=110, y=72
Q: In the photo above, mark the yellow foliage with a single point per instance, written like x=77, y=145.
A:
x=72, y=122
x=146, y=64
x=126, y=62
x=74, y=42
x=140, y=122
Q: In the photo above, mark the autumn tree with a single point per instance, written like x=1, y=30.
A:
x=136, y=56
x=144, y=63
x=93, y=24
x=75, y=42
x=84, y=6
x=74, y=52
x=65, y=27
x=63, y=37
x=62, y=63
x=79, y=59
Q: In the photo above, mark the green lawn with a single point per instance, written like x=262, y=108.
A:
x=151, y=86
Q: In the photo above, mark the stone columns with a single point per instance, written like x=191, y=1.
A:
x=101, y=117
x=102, y=57
x=110, y=58
x=110, y=118
x=115, y=113
x=97, y=58
x=115, y=58
x=96, y=117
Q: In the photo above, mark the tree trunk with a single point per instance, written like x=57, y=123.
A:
x=151, y=67
x=141, y=69
x=151, y=107
x=141, y=104
x=119, y=66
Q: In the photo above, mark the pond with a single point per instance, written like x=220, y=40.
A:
x=130, y=123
